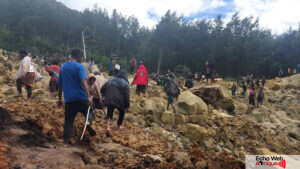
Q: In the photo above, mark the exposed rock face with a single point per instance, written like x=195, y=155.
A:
x=195, y=132
x=209, y=94
x=189, y=104
x=226, y=104
x=273, y=85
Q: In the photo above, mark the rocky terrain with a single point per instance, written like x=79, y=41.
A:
x=212, y=129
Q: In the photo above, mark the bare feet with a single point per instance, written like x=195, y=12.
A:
x=108, y=133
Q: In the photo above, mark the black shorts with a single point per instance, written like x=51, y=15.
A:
x=53, y=86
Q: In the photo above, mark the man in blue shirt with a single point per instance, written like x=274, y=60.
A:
x=72, y=82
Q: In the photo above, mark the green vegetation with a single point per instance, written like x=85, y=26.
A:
x=48, y=28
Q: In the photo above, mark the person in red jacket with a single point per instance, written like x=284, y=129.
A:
x=53, y=82
x=141, y=79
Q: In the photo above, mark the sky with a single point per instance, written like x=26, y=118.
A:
x=277, y=15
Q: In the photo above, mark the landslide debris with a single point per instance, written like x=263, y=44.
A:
x=212, y=130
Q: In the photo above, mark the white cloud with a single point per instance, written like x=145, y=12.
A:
x=277, y=15
x=140, y=8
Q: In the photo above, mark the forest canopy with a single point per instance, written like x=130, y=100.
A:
x=48, y=28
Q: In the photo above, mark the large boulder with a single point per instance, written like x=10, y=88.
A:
x=195, y=132
x=189, y=104
x=168, y=118
x=273, y=85
x=209, y=94
x=155, y=105
x=180, y=119
x=181, y=82
x=136, y=108
x=226, y=104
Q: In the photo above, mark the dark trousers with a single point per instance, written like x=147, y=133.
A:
x=140, y=89
x=110, y=114
x=132, y=69
x=252, y=101
x=71, y=110
x=28, y=88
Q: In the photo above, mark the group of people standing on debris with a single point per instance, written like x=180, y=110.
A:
x=210, y=74
x=254, y=84
x=84, y=93
x=289, y=71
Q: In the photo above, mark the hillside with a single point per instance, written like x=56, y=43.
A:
x=212, y=130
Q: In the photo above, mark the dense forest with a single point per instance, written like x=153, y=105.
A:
x=48, y=28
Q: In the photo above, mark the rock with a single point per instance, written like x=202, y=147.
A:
x=168, y=118
x=152, y=158
x=210, y=143
x=195, y=132
x=182, y=159
x=9, y=92
x=227, y=151
x=226, y=104
x=118, y=148
x=209, y=94
x=273, y=85
x=180, y=119
x=264, y=151
x=294, y=135
x=46, y=128
x=136, y=108
x=154, y=106
x=156, y=130
x=190, y=104
x=135, y=119
x=242, y=154
x=211, y=132
x=196, y=119
x=181, y=82
x=201, y=164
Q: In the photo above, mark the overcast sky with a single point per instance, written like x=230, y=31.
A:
x=277, y=15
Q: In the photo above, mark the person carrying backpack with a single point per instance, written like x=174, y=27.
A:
x=116, y=93
x=260, y=96
x=252, y=96
x=172, y=90
x=141, y=79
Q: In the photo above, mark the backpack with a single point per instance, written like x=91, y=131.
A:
x=171, y=87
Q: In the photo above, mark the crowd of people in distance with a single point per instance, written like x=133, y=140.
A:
x=254, y=84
